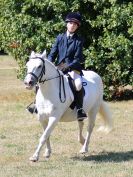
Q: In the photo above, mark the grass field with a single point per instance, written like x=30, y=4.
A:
x=109, y=155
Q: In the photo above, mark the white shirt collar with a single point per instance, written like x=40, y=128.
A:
x=69, y=34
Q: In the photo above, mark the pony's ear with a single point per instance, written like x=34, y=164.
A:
x=32, y=54
x=44, y=54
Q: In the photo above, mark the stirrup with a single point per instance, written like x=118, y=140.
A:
x=32, y=108
x=81, y=115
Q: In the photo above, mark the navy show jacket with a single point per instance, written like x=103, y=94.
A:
x=68, y=52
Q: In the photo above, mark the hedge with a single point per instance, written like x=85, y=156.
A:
x=107, y=29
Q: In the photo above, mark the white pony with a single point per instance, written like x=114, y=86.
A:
x=55, y=96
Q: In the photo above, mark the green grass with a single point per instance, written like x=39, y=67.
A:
x=109, y=155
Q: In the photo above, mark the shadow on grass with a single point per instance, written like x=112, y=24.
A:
x=107, y=157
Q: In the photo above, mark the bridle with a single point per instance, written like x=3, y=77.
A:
x=60, y=76
x=39, y=78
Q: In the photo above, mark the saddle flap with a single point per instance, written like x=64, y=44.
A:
x=73, y=89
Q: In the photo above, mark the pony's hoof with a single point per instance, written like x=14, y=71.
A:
x=105, y=129
x=83, y=151
x=47, y=154
x=101, y=129
x=108, y=130
x=33, y=159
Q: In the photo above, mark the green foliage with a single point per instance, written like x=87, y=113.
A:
x=110, y=53
x=107, y=29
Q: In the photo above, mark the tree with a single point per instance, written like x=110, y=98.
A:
x=107, y=28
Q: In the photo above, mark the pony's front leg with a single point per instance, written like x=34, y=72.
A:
x=44, y=123
x=51, y=124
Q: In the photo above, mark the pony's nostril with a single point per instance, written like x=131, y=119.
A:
x=31, y=83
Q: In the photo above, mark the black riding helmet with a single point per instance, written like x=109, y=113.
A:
x=74, y=17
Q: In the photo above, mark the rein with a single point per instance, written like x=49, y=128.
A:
x=61, y=80
x=61, y=85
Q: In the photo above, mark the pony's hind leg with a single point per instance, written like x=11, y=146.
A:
x=107, y=117
x=81, y=139
x=48, y=149
x=91, y=123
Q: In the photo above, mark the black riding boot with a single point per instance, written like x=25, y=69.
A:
x=32, y=107
x=81, y=115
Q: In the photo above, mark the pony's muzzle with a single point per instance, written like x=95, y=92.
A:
x=29, y=83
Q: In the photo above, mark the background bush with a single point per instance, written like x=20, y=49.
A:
x=107, y=28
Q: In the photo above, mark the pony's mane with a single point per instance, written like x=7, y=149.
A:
x=53, y=65
x=34, y=55
x=50, y=62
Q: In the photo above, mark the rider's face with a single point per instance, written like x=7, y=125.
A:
x=72, y=27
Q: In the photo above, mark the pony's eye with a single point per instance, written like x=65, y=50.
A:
x=39, y=66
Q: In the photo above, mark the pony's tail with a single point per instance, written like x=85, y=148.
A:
x=107, y=117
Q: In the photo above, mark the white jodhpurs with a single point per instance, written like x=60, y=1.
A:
x=77, y=80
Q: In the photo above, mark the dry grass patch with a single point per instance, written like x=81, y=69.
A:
x=109, y=155
x=7, y=62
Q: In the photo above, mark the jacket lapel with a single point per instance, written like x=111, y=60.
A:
x=64, y=45
x=71, y=45
x=66, y=48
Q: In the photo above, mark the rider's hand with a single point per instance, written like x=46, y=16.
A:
x=63, y=67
